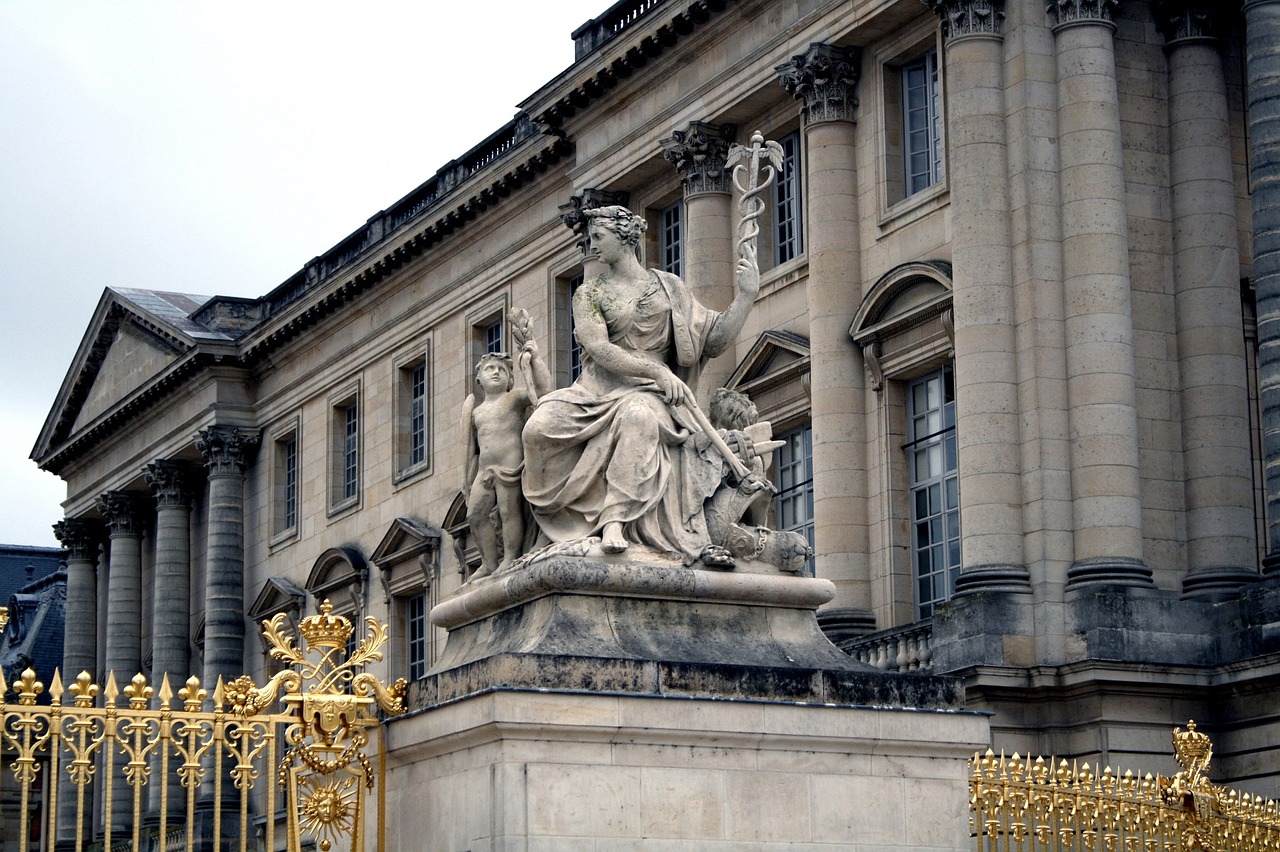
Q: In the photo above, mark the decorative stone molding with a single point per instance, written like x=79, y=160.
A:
x=167, y=480
x=699, y=153
x=962, y=18
x=120, y=513
x=588, y=199
x=1071, y=12
x=79, y=538
x=826, y=78
x=225, y=449
x=1188, y=20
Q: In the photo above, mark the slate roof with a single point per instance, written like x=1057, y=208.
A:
x=174, y=309
x=16, y=559
x=33, y=637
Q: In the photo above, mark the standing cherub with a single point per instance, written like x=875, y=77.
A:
x=495, y=457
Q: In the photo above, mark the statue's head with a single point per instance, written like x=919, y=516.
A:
x=498, y=360
x=626, y=225
x=732, y=410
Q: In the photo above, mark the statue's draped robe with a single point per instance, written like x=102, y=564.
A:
x=607, y=448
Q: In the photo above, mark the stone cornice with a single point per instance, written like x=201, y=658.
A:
x=226, y=449
x=699, y=153
x=168, y=482
x=962, y=18
x=79, y=538
x=1072, y=12
x=120, y=513
x=640, y=53
x=1188, y=21
x=825, y=77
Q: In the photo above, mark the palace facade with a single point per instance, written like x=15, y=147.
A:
x=1017, y=328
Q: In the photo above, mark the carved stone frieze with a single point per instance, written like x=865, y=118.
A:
x=969, y=17
x=699, y=152
x=79, y=538
x=1188, y=20
x=1084, y=11
x=168, y=482
x=225, y=449
x=825, y=77
x=120, y=513
x=588, y=199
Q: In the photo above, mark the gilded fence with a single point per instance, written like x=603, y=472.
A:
x=216, y=771
x=1018, y=805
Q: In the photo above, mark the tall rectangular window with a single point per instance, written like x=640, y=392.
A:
x=794, y=470
x=350, y=451
x=575, y=349
x=417, y=414
x=671, y=238
x=289, y=482
x=922, y=123
x=493, y=337
x=934, y=488
x=786, y=202
x=416, y=622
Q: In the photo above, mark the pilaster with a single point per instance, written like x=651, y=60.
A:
x=824, y=79
x=226, y=452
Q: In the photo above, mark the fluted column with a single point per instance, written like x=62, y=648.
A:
x=986, y=370
x=171, y=618
x=1217, y=456
x=1262, y=70
x=825, y=78
x=225, y=450
x=1101, y=388
x=124, y=584
x=698, y=152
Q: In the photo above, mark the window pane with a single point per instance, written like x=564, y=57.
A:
x=793, y=466
x=934, y=487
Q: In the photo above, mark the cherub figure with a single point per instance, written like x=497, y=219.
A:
x=495, y=457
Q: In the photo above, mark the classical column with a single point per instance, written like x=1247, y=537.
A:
x=124, y=584
x=225, y=450
x=698, y=152
x=171, y=608
x=825, y=78
x=80, y=634
x=986, y=370
x=1101, y=388
x=1217, y=456
x=1262, y=70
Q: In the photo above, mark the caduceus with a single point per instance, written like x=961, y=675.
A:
x=747, y=162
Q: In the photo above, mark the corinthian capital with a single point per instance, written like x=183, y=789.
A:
x=1189, y=20
x=1084, y=11
x=968, y=17
x=168, y=482
x=119, y=513
x=79, y=538
x=698, y=152
x=225, y=449
x=825, y=77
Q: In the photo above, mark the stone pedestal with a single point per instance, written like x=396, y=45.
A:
x=580, y=704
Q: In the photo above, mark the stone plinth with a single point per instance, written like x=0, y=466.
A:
x=581, y=704
x=543, y=771
x=577, y=624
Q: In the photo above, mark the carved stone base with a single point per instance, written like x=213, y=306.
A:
x=575, y=624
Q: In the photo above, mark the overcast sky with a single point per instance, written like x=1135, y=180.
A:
x=214, y=147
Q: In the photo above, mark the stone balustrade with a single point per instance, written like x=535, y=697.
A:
x=899, y=649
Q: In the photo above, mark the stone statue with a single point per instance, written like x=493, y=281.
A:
x=491, y=434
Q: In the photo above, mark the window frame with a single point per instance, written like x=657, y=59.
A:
x=899, y=208
x=346, y=450
x=281, y=531
x=801, y=489
x=671, y=238
x=786, y=196
x=940, y=515
x=407, y=418
x=928, y=64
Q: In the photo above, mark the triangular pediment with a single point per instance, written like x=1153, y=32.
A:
x=405, y=539
x=775, y=353
x=277, y=595
x=135, y=339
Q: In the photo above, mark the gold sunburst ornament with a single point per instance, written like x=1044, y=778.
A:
x=325, y=771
